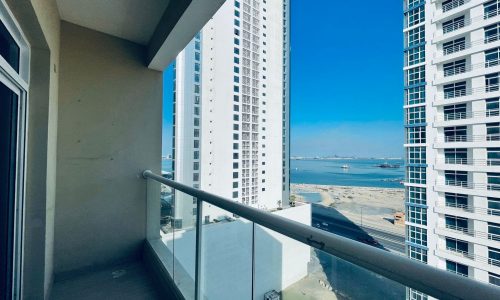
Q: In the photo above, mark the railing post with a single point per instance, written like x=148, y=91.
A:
x=197, y=276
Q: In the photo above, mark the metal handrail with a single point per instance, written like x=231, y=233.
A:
x=466, y=45
x=471, y=162
x=453, y=4
x=468, y=67
x=468, y=138
x=468, y=91
x=468, y=115
x=472, y=209
x=432, y=281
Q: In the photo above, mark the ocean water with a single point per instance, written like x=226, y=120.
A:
x=361, y=172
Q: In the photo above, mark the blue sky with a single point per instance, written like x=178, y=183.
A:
x=347, y=79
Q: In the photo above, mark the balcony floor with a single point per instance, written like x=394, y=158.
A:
x=121, y=282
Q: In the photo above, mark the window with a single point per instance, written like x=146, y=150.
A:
x=494, y=256
x=456, y=178
x=416, y=175
x=453, y=90
x=491, y=8
x=196, y=176
x=235, y=184
x=415, y=16
x=457, y=245
x=416, y=295
x=456, y=223
x=493, y=131
x=417, y=215
x=415, y=155
x=235, y=194
x=455, y=134
x=415, y=115
x=9, y=49
x=416, y=195
x=455, y=156
x=455, y=112
x=457, y=268
x=416, y=235
x=494, y=278
x=491, y=82
x=415, y=76
x=417, y=254
x=494, y=206
x=235, y=175
x=493, y=156
x=415, y=95
x=456, y=200
x=196, y=155
x=494, y=181
x=196, y=144
x=454, y=46
x=491, y=57
x=13, y=99
x=492, y=107
x=451, y=4
x=415, y=55
x=415, y=135
x=494, y=231
x=415, y=36
x=196, y=166
x=491, y=33
x=453, y=24
x=455, y=67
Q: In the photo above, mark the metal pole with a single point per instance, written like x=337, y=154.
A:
x=198, y=273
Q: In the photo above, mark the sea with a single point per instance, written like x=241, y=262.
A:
x=359, y=172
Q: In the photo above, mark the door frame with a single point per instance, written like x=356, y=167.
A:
x=17, y=82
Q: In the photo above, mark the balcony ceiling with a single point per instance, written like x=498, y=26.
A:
x=133, y=20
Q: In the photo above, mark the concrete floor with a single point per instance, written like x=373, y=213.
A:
x=122, y=282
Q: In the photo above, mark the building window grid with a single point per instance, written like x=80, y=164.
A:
x=416, y=215
x=416, y=195
x=416, y=235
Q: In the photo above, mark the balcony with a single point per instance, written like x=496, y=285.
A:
x=471, y=209
x=463, y=139
x=197, y=256
x=470, y=232
x=471, y=256
x=468, y=115
x=460, y=47
x=453, y=5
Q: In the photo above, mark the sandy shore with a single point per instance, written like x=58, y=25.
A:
x=371, y=206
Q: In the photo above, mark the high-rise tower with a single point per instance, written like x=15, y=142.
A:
x=452, y=143
x=231, y=107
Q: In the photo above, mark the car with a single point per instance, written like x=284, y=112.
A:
x=368, y=241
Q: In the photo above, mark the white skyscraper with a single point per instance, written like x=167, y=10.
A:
x=452, y=124
x=231, y=108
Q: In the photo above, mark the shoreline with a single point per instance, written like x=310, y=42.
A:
x=372, y=206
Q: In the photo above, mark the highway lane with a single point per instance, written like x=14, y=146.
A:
x=335, y=222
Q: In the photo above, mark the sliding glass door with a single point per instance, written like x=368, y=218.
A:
x=14, y=69
x=9, y=108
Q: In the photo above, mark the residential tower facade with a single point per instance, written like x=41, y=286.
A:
x=231, y=108
x=452, y=136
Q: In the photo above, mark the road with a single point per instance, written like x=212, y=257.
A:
x=348, y=280
x=331, y=220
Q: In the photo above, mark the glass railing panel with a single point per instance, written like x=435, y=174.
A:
x=298, y=271
x=225, y=255
x=178, y=234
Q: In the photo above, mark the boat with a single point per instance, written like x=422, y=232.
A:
x=388, y=166
x=345, y=167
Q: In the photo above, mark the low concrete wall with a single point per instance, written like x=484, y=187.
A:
x=227, y=258
x=110, y=116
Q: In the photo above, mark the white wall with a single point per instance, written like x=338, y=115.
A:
x=227, y=257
